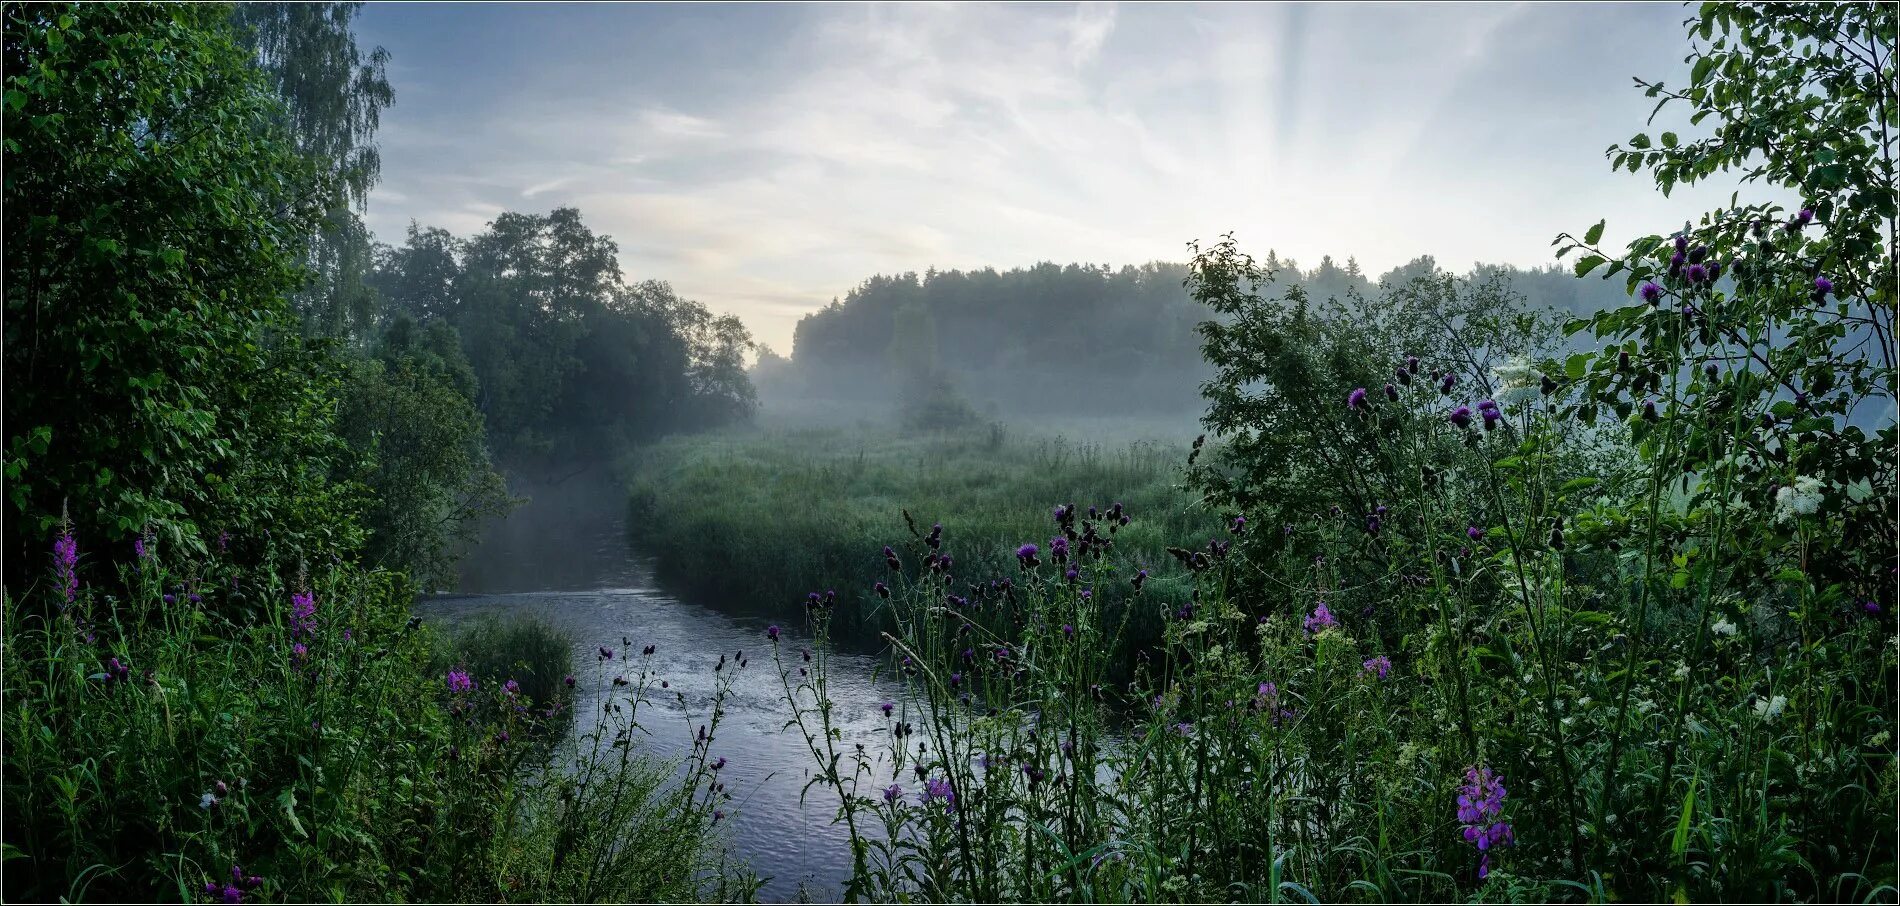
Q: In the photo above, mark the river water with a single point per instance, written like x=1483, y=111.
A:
x=564, y=558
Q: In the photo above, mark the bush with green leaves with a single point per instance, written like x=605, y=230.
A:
x=410, y=409
x=155, y=216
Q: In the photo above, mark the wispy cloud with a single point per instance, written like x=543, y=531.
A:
x=767, y=159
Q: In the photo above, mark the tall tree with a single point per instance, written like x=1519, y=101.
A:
x=333, y=96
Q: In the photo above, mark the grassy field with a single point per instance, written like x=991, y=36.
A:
x=767, y=516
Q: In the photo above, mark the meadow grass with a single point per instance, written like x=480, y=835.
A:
x=761, y=518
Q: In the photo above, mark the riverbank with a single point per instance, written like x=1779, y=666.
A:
x=761, y=518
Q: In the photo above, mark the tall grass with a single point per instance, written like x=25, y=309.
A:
x=1429, y=710
x=160, y=747
x=761, y=518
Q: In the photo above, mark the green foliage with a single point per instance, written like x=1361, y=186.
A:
x=570, y=359
x=411, y=409
x=333, y=96
x=155, y=217
x=812, y=509
x=535, y=655
x=154, y=743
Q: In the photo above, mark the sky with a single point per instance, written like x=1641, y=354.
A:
x=765, y=159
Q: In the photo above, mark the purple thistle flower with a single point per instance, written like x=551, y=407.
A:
x=1026, y=555
x=1238, y=525
x=771, y=632
x=1321, y=618
x=1450, y=380
x=886, y=708
x=606, y=653
x=1059, y=549
x=1473, y=532
x=1380, y=665
x=460, y=681
x=883, y=591
x=1391, y=392
x=939, y=790
x=1696, y=273
x=891, y=793
x=1651, y=293
x=1461, y=416
x=511, y=687
x=1357, y=399
x=1068, y=629
x=568, y=680
x=1823, y=286
x=1411, y=364
x=1806, y=216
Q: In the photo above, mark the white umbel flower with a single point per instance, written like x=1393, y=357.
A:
x=1723, y=627
x=1803, y=498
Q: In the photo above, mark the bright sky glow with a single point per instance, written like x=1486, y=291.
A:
x=765, y=159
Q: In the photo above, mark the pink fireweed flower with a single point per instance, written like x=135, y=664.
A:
x=303, y=614
x=66, y=561
x=1480, y=809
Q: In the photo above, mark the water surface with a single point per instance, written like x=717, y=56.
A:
x=564, y=558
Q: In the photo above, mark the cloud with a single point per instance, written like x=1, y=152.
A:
x=767, y=159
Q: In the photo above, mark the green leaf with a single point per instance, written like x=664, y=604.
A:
x=1681, y=841
x=1595, y=234
x=1588, y=263
x=1669, y=139
x=1639, y=141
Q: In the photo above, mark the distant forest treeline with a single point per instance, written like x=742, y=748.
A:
x=1078, y=338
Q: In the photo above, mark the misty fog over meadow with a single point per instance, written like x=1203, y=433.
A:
x=950, y=452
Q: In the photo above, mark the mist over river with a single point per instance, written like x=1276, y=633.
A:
x=564, y=558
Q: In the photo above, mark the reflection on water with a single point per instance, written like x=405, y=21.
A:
x=563, y=558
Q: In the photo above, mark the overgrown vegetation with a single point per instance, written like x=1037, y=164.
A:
x=211, y=690
x=1489, y=625
x=814, y=508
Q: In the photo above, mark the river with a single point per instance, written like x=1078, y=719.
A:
x=564, y=558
